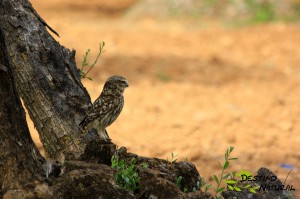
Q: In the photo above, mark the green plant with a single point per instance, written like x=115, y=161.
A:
x=232, y=183
x=145, y=165
x=262, y=11
x=229, y=178
x=219, y=180
x=185, y=189
x=84, y=64
x=222, y=177
x=178, y=183
x=126, y=175
x=173, y=156
x=199, y=185
x=207, y=187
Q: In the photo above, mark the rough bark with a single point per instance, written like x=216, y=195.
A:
x=46, y=78
x=20, y=161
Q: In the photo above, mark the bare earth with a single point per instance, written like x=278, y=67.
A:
x=195, y=89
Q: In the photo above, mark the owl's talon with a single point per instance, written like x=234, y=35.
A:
x=109, y=141
x=105, y=141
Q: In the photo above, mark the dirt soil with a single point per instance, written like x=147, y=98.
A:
x=195, y=88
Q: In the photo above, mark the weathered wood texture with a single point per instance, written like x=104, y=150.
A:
x=46, y=78
x=20, y=160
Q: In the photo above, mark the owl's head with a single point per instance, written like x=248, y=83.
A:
x=116, y=83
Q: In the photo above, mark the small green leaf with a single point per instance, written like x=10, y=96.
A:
x=237, y=189
x=178, y=182
x=185, y=189
x=231, y=148
x=242, y=172
x=232, y=158
x=226, y=176
x=216, y=179
x=247, y=186
x=256, y=187
x=145, y=165
x=226, y=165
x=207, y=187
x=252, y=190
x=231, y=182
x=220, y=189
x=230, y=187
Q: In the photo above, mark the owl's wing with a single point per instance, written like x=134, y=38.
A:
x=100, y=107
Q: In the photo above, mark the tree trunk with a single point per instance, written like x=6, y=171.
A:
x=46, y=78
x=20, y=161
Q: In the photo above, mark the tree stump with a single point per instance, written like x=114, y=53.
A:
x=98, y=151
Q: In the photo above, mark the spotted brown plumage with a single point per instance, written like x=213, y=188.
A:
x=106, y=108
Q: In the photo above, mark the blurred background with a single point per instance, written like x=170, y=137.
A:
x=204, y=75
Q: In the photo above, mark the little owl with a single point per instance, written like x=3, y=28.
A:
x=106, y=108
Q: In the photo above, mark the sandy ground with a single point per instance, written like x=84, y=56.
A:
x=195, y=89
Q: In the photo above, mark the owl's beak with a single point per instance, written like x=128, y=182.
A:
x=126, y=84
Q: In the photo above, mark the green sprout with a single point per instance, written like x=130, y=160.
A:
x=178, y=183
x=199, y=185
x=126, y=175
x=84, y=64
x=232, y=183
x=218, y=189
x=222, y=177
x=145, y=165
x=173, y=156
